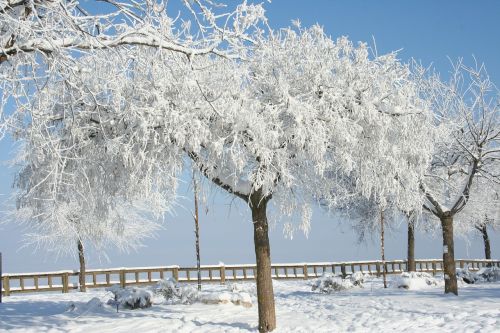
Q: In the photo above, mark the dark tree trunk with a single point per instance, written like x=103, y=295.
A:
x=81, y=275
x=197, y=231
x=382, y=247
x=486, y=239
x=411, y=246
x=265, y=294
x=450, y=278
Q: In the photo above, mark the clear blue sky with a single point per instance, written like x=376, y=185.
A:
x=427, y=30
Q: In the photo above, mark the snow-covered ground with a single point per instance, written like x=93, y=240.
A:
x=370, y=309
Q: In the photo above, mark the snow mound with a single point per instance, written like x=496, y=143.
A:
x=94, y=305
x=130, y=298
x=415, y=280
x=175, y=293
x=329, y=283
x=237, y=298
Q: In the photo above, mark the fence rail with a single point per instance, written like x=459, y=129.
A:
x=65, y=281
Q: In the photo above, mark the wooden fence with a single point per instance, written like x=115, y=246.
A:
x=97, y=278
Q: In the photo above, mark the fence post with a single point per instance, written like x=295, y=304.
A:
x=175, y=274
x=1, y=278
x=6, y=285
x=123, y=280
x=222, y=274
x=65, y=287
x=342, y=269
x=377, y=266
x=306, y=274
x=433, y=268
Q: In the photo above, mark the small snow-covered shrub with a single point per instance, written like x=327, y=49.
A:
x=168, y=288
x=130, y=298
x=465, y=275
x=175, y=293
x=415, y=280
x=188, y=294
x=489, y=274
x=357, y=279
x=485, y=274
x=329, y=283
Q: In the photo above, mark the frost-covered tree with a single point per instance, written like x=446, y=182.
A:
x=56, y=203
x=63, y=28
x=67, y=230
x=467, y=115
x=281, y=125
x=308, y=107
x=37, y=35
x=369, y=217
x=482, y=211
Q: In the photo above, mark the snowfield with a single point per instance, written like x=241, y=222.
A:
x=368, y=309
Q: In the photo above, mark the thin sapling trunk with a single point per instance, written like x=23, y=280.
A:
x=411, y=246
x=382, y=249
x=197, y=230
x=81, y=275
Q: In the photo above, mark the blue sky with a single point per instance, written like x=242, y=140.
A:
x=430, y=31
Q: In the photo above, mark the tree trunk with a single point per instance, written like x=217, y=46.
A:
x=197, y=231
x=81, y=275
x=382, y=249
x=486, y=239
x=265, y=294
x=411, y=247
x=450, y=277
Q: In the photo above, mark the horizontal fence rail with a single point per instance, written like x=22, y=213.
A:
x=65, y=281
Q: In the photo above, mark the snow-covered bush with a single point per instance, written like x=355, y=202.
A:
x=489, y=274
x=357, y=278
x=176, y=293
x=465, y=275
x=415, y=280
x=485, y=274
x=329, y=283
x=130, y=298
x=168, y=288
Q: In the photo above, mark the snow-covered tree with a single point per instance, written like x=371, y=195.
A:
x=63, y=29
x=482, y=211
x=304, y=110
x=55, y=204
x=296, y=113
x=467, y=115
x=67, y=230
x=37, y=35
